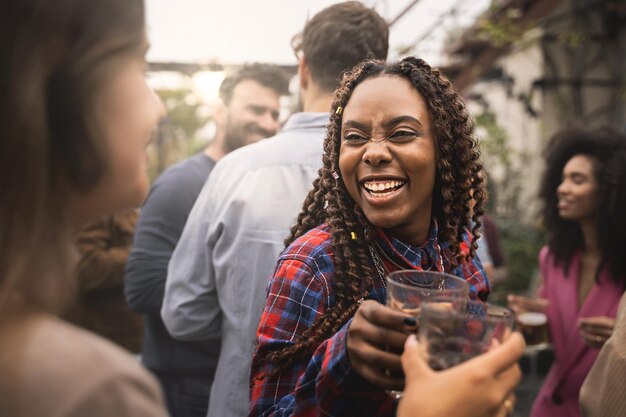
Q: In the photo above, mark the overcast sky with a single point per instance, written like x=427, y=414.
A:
x=237, y=31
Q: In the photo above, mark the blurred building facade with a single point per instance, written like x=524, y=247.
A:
x=529, y=67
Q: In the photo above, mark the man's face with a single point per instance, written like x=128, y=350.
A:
x=252, y=115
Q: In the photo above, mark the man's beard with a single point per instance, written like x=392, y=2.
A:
x=236, y=137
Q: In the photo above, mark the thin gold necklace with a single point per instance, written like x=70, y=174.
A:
x=379, y=264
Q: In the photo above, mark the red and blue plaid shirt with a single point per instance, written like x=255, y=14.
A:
x=300, y=291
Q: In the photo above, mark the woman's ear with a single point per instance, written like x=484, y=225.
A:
x=303, y=72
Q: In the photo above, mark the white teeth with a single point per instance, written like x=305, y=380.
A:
x=378, y=186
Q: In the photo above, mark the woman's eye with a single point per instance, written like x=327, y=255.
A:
x=403, y=135
x=577, y=179
x=353, y=137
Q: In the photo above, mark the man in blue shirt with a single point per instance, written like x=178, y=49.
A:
x=185, y=369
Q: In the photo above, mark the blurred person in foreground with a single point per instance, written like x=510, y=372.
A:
x=248, y=113
x=388, y=197
x=219, y=271
x=100, y=306
x=480, y=387
x=75, y=118
x=583, y=267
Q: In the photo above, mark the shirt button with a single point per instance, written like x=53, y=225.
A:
x=557, y=399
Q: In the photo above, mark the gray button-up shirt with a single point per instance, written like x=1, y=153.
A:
x=218, y=274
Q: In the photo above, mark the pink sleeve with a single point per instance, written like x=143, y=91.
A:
x=544, y=255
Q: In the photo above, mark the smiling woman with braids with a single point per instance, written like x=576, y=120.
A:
x=399, y=168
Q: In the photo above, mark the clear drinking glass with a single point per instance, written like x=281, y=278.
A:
x=449, y=337
x=408, y=289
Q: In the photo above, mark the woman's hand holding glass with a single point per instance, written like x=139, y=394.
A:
x=408, y=289
x=480, y=387
x=531, y=318
x=522, y=304
x=450, y=337
x=376, y=333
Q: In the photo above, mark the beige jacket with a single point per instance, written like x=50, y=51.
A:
x=603, y=393
x=65, y=371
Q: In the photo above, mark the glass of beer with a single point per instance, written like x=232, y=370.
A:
x=534, y=327
x=407, y=290
x=531, y=319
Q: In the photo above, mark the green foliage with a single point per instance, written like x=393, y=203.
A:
x=520, y=244
x=495, y=143
x=497, y=154
x=503, y=29
x=500, y=33
x=574, y=40
x=182, y=110
x=176, y=136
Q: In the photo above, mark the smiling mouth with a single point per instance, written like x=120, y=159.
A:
x=383, y=188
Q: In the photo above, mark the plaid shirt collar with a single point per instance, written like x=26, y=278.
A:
x=401, y=255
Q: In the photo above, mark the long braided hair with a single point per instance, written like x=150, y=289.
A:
x=458, y=178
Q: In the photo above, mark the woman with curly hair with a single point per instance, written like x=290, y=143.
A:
x=583, y=267
x=400, y=167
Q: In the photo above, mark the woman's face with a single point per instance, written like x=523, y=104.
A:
x=126, y=113
x=387, y=156
x=577, y=193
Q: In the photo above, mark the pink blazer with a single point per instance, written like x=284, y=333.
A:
x=573, y=359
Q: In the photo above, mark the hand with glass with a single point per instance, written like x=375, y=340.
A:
x=453, y=330
x=450, y=336
x=408, y=290
x=479, y=387
x=531, y=318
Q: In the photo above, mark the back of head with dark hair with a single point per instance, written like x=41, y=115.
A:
x=339, y=37
x=607, y=147
x=270, y=76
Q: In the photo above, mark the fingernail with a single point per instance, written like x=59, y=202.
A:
x=410, y=321
x=411, y=340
